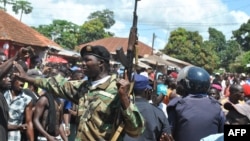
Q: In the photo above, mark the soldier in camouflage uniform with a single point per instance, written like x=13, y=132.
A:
x=103, y=101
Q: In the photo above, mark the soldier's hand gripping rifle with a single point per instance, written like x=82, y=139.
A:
x=127, y=61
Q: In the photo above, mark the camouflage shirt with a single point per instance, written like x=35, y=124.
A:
x=100, y=111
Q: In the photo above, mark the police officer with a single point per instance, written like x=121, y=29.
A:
x=103, y=102
x=156, y=122
x=194, y=115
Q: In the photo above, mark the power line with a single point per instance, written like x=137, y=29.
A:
x=174, y=25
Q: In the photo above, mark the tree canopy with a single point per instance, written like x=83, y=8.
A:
x=23, y=6
x=106, y=17
x=70, y=35
x=213, y=54
x=5, y=2
x=242, y=36
x=188, y=46
x=92, y=30
x=62, y=32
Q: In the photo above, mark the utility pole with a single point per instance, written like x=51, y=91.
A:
x=153, y=40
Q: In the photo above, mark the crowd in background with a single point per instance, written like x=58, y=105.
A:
x=231, y=91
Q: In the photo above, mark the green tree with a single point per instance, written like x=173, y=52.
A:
x=62, y=32
x=69, y=35
x=239, y=65
x=218, y=41
x=208, y=54
x=245, y=60
x=22, y=5
x=218, y=38
x=242, y=36
x=229, y=54
x=5, y=2
x=92, y=30
x=46, y=30
x=106, y=17
x=188, y=46
x=176, y=42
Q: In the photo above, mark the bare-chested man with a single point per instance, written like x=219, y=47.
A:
x=48, y=119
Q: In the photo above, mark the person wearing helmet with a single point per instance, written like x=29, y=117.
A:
x=194, y=115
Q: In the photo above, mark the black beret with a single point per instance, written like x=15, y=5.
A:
x=97, y=50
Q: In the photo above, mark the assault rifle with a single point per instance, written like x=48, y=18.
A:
x=127, y=61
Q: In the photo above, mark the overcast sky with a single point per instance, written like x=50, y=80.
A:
x=154, y=16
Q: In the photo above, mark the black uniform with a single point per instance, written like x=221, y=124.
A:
x=155, y=122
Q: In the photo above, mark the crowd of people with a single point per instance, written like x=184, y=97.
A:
x=88, y=102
